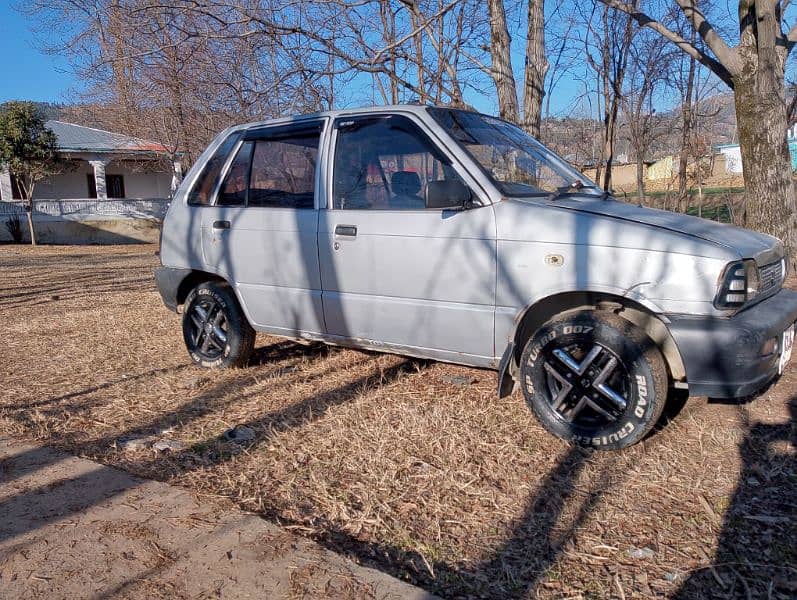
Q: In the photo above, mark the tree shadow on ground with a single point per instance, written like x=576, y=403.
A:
x=756, y=556
x=533, y=544
x=295, y=415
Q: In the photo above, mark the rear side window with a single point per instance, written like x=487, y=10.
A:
x=283, y=171
x=202, y=192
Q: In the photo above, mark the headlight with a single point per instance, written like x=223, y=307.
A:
x=738, y=284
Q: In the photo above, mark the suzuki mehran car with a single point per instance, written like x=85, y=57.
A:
x=455, y=236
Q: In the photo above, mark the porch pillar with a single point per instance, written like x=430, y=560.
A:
x=177, y=176
x=6, y=193
x=99, y=178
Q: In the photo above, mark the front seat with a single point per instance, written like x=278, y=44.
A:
x=405, y=186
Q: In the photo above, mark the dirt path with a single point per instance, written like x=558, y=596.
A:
x=73, y=528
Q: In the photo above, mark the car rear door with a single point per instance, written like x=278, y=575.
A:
x=261, y=232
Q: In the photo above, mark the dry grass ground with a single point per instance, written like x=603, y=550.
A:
x=410, y=466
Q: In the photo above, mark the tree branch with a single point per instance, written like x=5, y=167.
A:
x=725, y=68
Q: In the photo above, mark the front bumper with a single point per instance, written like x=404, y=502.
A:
x=723, y=355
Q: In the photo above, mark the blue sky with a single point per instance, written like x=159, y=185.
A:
x=25, y=72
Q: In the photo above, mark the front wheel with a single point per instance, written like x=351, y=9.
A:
x=594, y=379
x=215, y=330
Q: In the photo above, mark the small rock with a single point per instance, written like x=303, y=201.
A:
x=240, y=433
x=193, y=383
x=641, y=553
x=55, y=297
x=673, y=577
x=167, y=445
x=132, y=444
x=753, y=482
x=459, y=380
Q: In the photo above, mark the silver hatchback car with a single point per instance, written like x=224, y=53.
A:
x=455, y=236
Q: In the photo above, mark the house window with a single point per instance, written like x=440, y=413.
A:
x=92, y=185
x=114, y=185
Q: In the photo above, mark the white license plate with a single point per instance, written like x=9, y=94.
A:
x=786, y=344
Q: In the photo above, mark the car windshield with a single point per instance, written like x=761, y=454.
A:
x=517, y=163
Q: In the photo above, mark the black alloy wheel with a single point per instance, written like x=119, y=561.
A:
x=594, y=379
x=215, y=329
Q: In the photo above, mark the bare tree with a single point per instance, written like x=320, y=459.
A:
x=754, y=69
x=536, y=68
x=648, y=69
x=606, y=45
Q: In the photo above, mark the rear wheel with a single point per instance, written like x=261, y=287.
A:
x=215, y=330
x=594, y=379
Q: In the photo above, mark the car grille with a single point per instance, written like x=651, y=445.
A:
x=771, y=276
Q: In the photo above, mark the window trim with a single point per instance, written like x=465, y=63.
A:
x=225, y=171
x=203, y=165
x=421, y=128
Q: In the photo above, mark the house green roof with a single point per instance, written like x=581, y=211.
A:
x=76, y=138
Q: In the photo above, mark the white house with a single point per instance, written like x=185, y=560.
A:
x=733, y=153
x=102, y=165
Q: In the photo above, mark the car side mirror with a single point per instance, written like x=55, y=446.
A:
x=448, y=193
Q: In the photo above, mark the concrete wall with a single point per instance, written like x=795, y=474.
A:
x=139, y=181
x=87, y=221
x=107, y=231
x=733, y=158
x=623, y=176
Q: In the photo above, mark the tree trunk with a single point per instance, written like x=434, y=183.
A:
x=536, y=68
x=686, y=133
x=610, y=120
x=640, y=181
x=500, y=55
x=29, y=213
x=761, y=117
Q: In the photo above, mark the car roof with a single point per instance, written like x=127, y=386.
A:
x=344, y=112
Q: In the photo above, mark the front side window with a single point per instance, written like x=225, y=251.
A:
x=385, y=163
x=202, y=192
x=517, y=163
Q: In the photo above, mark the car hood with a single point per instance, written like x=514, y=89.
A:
x=749, y=244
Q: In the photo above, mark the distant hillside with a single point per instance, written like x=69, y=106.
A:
x=579, y=139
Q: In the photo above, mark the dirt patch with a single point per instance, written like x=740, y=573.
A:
x=414, y=467
x=102, y=533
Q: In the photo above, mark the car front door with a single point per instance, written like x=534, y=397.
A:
x=394, y=272
x=261, y=232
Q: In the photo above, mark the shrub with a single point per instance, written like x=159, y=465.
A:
x=14, y=226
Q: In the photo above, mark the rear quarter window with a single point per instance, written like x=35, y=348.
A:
x=201, y=193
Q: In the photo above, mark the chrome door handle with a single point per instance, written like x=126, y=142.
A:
x=221, y=224
x=346, y=230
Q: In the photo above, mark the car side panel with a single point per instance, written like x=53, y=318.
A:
x=544, y=250
x=415, y=278
x=271, y=257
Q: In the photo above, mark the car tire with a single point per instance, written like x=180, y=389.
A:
x=594, y=379
x=215, y=330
